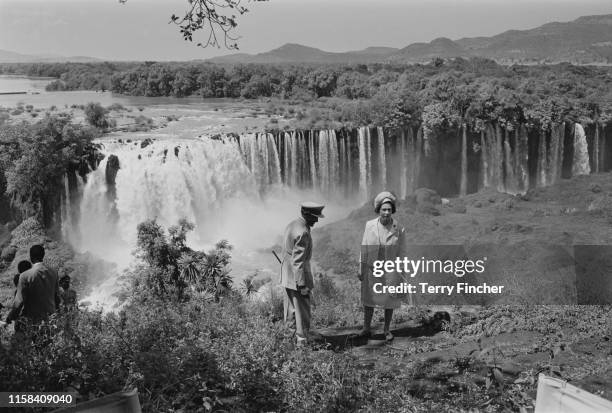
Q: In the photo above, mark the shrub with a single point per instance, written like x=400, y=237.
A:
x=96, y=115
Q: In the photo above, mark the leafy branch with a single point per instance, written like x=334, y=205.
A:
x=216, y=18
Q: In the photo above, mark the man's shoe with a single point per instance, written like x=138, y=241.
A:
x=361, y=334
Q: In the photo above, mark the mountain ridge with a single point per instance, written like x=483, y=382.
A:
x=585, y=40
x=7, y=56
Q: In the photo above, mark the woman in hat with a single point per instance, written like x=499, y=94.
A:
x=383, y=239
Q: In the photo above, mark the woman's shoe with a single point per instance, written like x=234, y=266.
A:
x=388, y=336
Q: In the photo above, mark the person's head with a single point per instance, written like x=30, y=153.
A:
x=37, y=253
x=65, y=282
x=23, y=266
x=311, y=212
x=385, y=205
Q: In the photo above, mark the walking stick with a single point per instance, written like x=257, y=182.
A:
x=277, y=258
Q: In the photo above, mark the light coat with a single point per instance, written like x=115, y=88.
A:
x=380, y=243
x=297, y=251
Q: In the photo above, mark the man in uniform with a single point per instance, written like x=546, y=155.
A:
x=37, y=294
x=296, y=275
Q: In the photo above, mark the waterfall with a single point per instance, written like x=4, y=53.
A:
x=418, y=151
x=287, y=158
x=493, y=157
x=382, y=163
x=324, y=161
x=580, y=164
x=403, y=153
x=275, y=177
x=523, y=156
x=484, y=160
x=302, y=171
x=349, y=166
x=602, y=151
x=342, y=170
x=193, y=184
x=294, y=161
x=334, y=162
x=499, y=159
x=193, y=178
x=596, y=155
x=363, y=163
x=262, y=159
x=557, y=136
x=510, y=184
x=313, y=166
x=328, y=162
x=463, y=183
x=542, y=160
x=413, y=165
x=69, y=224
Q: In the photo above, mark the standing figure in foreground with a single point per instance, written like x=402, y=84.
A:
x=37, y=294
x=383, y=239
x=296, y=275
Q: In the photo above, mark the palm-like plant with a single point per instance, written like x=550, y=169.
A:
x=248, y=287
x=190, y=268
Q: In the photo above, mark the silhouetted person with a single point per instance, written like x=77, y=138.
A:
x=68, y=295
x=37, y=294
x=22, y=267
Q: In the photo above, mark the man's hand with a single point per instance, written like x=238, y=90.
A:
x=304, y=290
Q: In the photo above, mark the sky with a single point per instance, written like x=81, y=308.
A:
x=139, y=29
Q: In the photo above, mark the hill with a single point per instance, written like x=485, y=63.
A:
x=296, y=53
x=586, y=40
x=7, y=56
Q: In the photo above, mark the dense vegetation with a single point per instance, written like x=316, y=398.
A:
x=442, y=93
x=189, y=341
x=34, y=159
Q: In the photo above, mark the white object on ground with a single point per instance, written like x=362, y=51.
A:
x=558, y=396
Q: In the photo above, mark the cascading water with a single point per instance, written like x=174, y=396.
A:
x=230, y=188
x=363, y=162
x=382, y=163
x=246, y=188
x=580, y=164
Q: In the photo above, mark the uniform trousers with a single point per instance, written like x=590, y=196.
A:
x=297, y=312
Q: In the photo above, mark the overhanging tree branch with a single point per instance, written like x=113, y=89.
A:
x=215, y=18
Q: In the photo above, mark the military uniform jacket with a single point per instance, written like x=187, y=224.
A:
x=297, y=250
